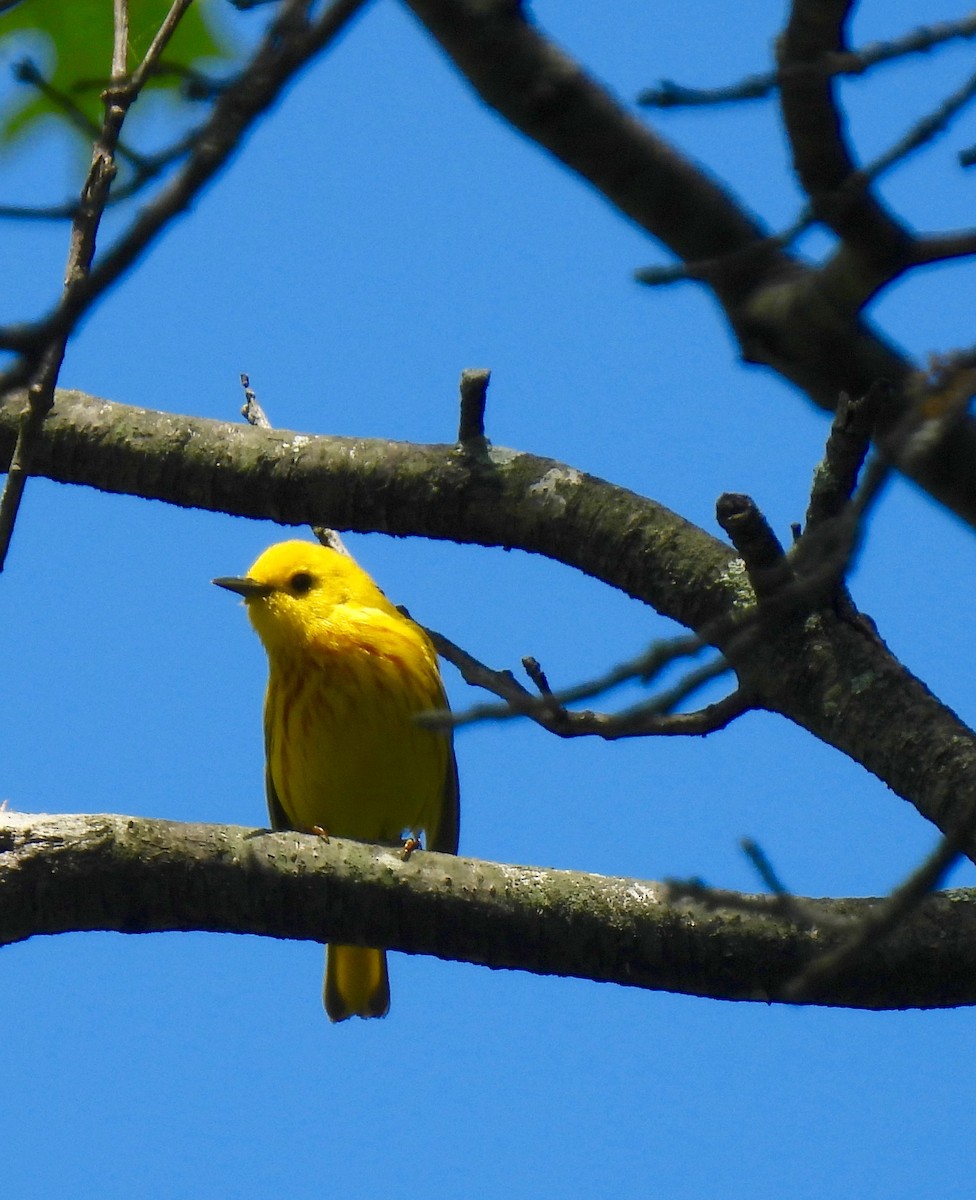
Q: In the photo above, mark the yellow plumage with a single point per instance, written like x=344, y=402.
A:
x=348, y=675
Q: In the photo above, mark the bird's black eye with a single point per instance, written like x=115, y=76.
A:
x=301, y=583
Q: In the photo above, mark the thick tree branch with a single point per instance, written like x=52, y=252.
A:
x=814, y=667
x=875, y=247
x=74, y=873
x=507, y=498
x=782, y=312
x=821, y=156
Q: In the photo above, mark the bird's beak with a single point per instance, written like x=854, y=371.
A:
x=248, y=588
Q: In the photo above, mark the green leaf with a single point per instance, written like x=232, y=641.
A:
x=79, y=59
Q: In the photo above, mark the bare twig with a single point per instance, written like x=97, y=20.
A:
x=645, y=667
x=81, y=251
x=159, y=43
x=27, y=71
x=851, y=62
x=924, y=130
x=145, y=170
x=254, y=414
x=934, y=248
x=766, y=565
x=823, y=555
x=537, y=675
x=800, y=912
x=835, y=478
x=120, y=42
x=764, y=868
x=651, y=717
x=876, y=925
x=471, y=426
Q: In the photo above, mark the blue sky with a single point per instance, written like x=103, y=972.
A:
x=379, y=233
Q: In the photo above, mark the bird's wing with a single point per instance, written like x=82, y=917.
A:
x=445, y=837
x=275, y=811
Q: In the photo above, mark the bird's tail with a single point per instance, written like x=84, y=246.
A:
x=356, y=982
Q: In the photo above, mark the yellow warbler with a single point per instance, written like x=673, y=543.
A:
x=348, y=675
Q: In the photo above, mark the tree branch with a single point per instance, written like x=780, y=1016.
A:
x=778, y=308
x=845, y=62
x=76, y=873
x=821, y=157
x=820, y=670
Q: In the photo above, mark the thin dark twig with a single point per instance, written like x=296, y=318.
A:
x=823, y=555
x=797, y=913
x=145, y=170
x=254, y=414
x=520, y=702
x=918, y=135
x=835, y=479
x=780, y=901
x=922, y=132
x=784, y=902
x=27, y=71
x=764, y=868
x=850, y=62
x=666, y=701
x=537, y=675
x=652, y=717
x=870, y=930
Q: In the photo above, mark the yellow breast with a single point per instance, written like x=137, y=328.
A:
x=344, y=750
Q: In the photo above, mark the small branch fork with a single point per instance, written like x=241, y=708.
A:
x=922, y=250
x=809, y=577
x=813, y=573
x=549, y=710
x=852, y=939
x=876, y=246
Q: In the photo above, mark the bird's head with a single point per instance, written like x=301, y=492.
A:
x=293, y=590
